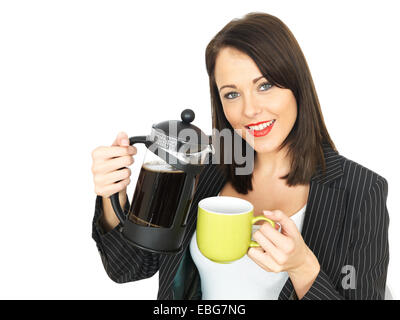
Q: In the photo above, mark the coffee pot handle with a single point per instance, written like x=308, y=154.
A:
x=115, y=197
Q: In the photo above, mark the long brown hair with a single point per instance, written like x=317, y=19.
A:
x=274, y=49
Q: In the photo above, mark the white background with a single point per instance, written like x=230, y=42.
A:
x=75, y=73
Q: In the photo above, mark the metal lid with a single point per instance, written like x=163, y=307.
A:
x=174, y=134
x=180, y=143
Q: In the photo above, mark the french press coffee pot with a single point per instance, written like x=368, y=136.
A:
x=176, y=153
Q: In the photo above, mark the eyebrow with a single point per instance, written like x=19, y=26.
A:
x=234, y=87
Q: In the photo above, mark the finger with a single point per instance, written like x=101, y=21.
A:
x=114, y=164
x=122, y=139
x=251, y=254
x=113, y=188
x=263, y=260
x=113, y=177
x=286, y=223
x=103, y=153
x=279, y=240
x=277, y=255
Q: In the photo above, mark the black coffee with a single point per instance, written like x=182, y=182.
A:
x=156, y=196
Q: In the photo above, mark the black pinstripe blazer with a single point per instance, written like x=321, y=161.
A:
x=345, y=225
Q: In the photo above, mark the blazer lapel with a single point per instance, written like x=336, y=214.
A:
x=323, y=217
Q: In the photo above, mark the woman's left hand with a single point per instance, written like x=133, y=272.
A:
x=285, y=251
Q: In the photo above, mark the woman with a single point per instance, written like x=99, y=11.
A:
x=333, y=242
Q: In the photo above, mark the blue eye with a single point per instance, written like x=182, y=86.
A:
x=229, y=95
x=266, y=84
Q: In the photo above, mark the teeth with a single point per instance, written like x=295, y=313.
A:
x=262, y=126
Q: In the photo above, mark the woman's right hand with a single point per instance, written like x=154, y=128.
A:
x=109, y=167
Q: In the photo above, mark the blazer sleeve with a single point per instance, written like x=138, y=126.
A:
x=368, y=256
x=122, y=261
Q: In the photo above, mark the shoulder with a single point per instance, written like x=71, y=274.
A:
x=363, y=186
x=359, y=178
x=366, y=194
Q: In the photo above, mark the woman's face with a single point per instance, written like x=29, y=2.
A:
x=250, y=103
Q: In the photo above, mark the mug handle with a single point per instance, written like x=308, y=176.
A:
x=254, y=244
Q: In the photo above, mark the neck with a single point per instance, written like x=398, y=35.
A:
x=272, y=164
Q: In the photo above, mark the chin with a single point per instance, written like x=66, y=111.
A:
x=264, y=148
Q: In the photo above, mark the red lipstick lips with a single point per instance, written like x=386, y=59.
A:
x=256, y=124
x=263, y=132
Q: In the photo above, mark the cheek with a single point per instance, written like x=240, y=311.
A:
x=285, y=107
x=291, y=112
x=232, y=116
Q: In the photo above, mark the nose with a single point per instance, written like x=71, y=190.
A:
x=251, y=108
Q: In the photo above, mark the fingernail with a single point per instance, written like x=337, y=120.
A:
x=125, y=142
x=267, y=213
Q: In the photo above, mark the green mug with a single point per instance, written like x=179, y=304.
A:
x=224, y=227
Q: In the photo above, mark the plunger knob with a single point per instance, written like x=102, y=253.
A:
x=187, y=115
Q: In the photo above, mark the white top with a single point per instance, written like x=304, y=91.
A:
x=242, y=279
